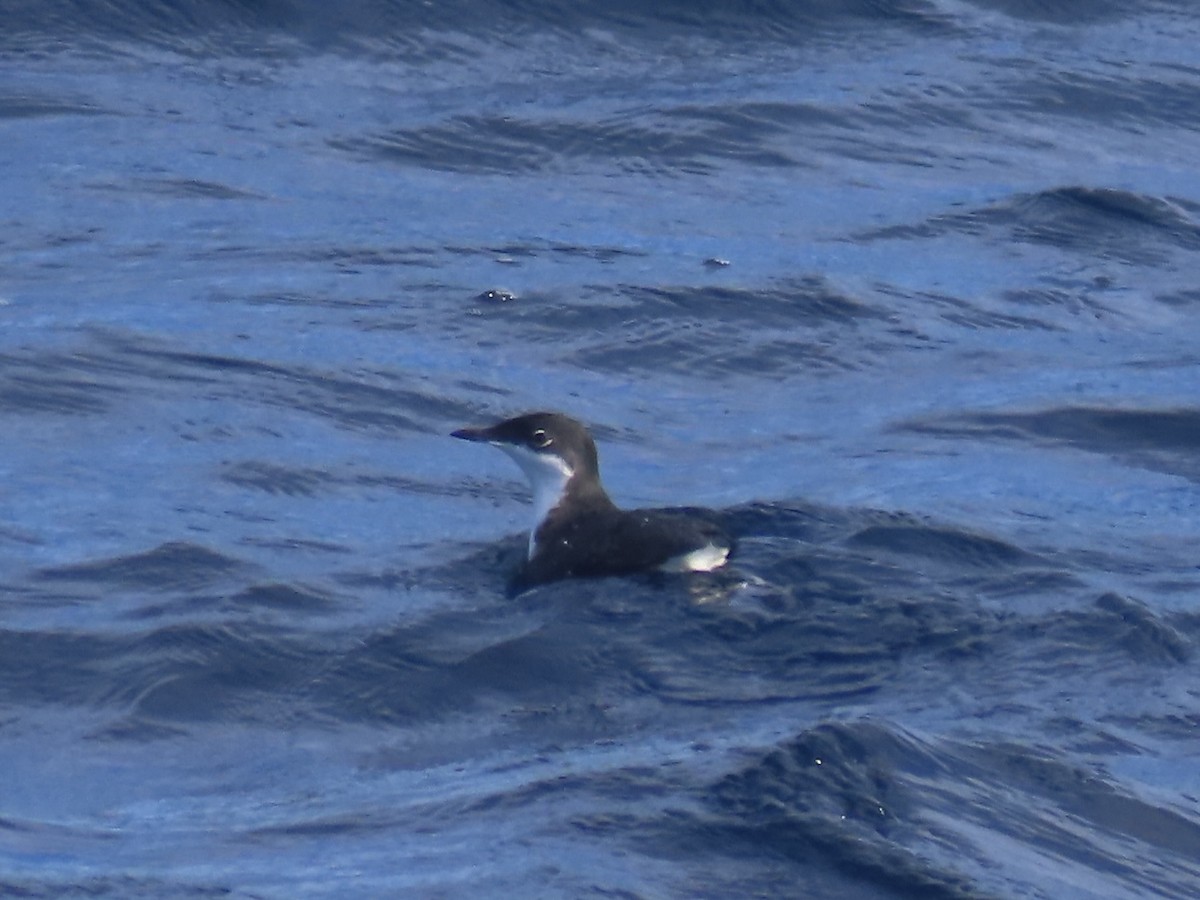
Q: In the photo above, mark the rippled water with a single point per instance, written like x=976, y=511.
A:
x=905, y=291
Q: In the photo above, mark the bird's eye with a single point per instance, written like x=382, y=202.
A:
x=541, y=439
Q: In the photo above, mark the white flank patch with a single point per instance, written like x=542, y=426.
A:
x=548, y=475
x=704, y=559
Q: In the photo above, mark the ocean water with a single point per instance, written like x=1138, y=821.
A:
x=907, y=291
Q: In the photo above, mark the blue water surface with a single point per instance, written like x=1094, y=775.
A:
x=906, y=292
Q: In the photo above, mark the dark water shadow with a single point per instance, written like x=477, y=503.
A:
x=1161, y=440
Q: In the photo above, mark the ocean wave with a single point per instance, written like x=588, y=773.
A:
x=231, y=27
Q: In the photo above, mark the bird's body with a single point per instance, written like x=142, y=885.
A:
x=578, y=532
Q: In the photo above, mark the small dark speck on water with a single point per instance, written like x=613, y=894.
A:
x=496, y=295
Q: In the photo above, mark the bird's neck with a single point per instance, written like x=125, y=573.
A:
x=575, y=496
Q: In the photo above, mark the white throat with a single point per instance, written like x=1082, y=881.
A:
x=548, y=476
